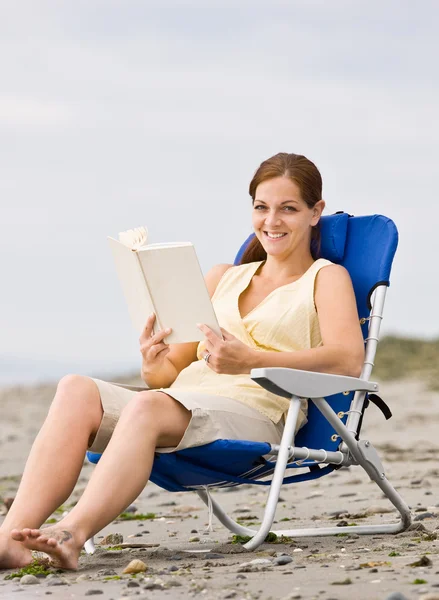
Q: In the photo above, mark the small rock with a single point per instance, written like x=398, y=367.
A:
x=416, y=527
x=282, y=560
x=29, y=580
x=424, y=561
x=131, y=509
x=378, y=510
x=256, y=562
x=173, y=568
x=56, y=581
x=396, y=596
x=102, y=573
x=133, y=583
x=425, y=515
x=173, y=583
x=113, y=539
x=92, y=592
x=194, y=539
x=297, y=550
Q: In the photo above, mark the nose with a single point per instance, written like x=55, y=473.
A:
x=272, y=218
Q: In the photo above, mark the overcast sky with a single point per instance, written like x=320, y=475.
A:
x=115, y=114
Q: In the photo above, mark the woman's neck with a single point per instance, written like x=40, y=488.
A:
x=278, y=269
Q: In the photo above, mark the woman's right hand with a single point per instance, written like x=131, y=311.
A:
x=152, y=347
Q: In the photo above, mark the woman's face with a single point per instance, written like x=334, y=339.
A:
x=281, y=219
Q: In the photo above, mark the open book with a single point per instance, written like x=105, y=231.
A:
x=165, y=279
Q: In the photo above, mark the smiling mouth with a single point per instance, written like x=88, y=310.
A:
x=274, y=236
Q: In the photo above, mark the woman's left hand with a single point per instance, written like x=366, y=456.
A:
x=229, y=356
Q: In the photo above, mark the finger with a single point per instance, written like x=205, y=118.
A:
x=210, y=335
x=226, y=334
x=159, y=336
x=149, y=326
x=162, y=352
x=209, y=347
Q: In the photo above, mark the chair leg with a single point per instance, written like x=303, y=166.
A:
x=273, y=496
x=369, y=464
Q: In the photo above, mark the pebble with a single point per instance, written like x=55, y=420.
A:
x=396, y=596
x=256, y=562
x=56, y=581
x=93, y=592
x=194, y=539
x=29, y=580
x=425, y=515
x=100, y=573
x=133, y=583
x=282, y=560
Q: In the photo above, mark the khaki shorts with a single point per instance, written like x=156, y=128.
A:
x=213, y=418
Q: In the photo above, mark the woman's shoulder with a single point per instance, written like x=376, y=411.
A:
x=217, y=273
x=214, y=276
x=332, y=276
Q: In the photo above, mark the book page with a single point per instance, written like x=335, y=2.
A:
x=178, y=291
x=133, y=284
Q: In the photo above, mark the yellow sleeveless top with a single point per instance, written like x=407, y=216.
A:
x=285, y=321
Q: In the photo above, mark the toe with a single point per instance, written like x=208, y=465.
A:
x=34, y=533
x=17, y=535
x=42, y=539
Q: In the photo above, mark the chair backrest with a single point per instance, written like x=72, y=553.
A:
x=365, y=246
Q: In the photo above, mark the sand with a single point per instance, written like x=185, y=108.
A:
x=366, y=567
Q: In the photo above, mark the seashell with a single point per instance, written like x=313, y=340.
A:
x=135, y=566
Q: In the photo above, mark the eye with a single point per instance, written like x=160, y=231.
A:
x=290, y=208
x=258, y=206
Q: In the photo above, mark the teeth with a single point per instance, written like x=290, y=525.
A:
x=275, y=235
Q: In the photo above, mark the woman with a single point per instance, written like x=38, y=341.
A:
x=280, y=308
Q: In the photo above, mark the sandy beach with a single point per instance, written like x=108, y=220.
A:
x=184, y=560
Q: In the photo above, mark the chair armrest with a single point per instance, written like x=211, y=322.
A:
x=308, y=384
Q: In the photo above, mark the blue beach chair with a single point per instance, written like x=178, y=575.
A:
x=331, y=437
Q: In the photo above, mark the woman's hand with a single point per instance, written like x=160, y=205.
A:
x=229, y=356
x=152, y=347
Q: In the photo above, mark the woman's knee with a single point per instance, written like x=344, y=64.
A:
x=161, y=412
x=78, y=391
x=143, y=405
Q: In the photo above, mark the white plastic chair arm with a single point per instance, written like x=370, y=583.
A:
x=308, y=384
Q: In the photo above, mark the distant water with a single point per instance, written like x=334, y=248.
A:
x=16, y=371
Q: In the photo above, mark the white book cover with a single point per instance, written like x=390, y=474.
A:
x=165, y=279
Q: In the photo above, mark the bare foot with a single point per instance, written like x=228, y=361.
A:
x=12, y=554
x=58, y=543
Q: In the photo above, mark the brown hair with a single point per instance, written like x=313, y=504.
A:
x=306, y=176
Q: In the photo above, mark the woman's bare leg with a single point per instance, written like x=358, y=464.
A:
x=54, y=463
x=150, y=420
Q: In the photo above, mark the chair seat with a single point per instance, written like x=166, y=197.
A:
x=220, y=463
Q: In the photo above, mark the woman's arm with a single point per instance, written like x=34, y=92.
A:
x=342, y=351
x=181, y=356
